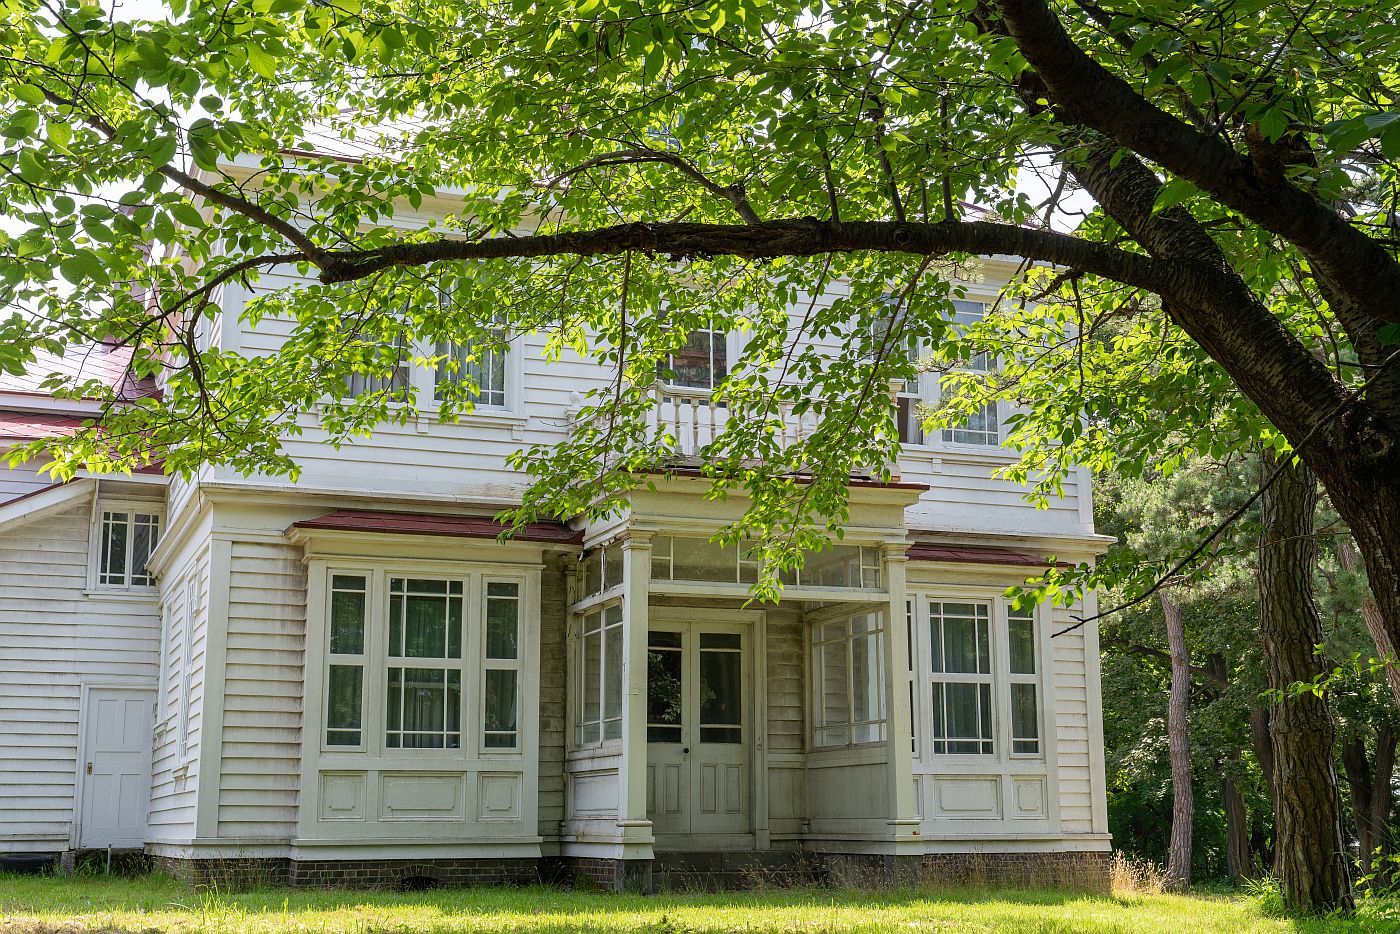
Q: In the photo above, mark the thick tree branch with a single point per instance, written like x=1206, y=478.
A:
x=790, y=237
x=1091, y=95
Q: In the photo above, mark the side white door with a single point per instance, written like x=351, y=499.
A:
x=114, y=775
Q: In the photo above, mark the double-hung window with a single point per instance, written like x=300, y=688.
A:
x=374, y=374
x=1022, y=647
x=477, y=363
x=962, y=677
x=126, y=537
x=425, y=664
x=501, y=677
x=345, y=673
x=849, y=680
x=983, y=426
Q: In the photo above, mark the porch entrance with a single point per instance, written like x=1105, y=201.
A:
x=699, y=729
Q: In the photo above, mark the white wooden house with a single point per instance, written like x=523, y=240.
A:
x=349, y=680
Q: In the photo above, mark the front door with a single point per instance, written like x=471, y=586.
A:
x=115, y=780
x=698, y=716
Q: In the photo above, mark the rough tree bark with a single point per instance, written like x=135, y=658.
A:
x=1348, y=558
x=1311, y=860
x=1371, y=795
x=1178, y=745
x=1236, y=826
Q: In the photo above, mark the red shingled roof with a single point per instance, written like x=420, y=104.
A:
x=30, y=426
x=967, y=554
x=107, y=365
x=409, y=523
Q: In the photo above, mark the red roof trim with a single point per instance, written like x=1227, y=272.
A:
x=31, y=426
x=967, y=554
x=412, y=523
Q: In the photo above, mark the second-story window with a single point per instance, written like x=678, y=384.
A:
x=984, y=425
x=126, y=537
x=376, y=380
x=482, y=364
x=702, y=363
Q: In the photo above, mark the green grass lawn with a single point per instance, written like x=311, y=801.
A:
x=97, y=903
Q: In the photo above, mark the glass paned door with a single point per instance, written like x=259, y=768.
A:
x=698, y=711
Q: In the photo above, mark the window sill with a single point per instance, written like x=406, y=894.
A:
x=143, y=595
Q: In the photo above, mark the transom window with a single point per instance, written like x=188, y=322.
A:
x=126, y=537
x=407, y=659
x=848, y=678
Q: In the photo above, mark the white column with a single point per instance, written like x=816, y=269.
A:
x=903, y=820
x=633, y=825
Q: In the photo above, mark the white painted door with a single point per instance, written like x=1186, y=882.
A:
x=698, y=736
x=114, y=784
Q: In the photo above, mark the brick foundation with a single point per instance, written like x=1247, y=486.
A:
x=615, y=875
x=737, y=870
x=870, y=871
x=1088, y=871
x=401, y=874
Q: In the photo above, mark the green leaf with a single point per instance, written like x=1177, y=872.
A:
x=263, y=61
x=22, y=124
x=1389, y=335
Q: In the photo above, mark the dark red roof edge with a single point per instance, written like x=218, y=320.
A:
x=972, y=554
x=415, y=523
x=853, y=481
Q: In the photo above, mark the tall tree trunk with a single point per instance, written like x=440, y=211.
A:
x=1350, y=559
x=1371, y=795
x=1236, y=826
x=1310, y=859
x=1183, y=807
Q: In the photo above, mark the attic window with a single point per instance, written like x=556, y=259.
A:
x=126, y=538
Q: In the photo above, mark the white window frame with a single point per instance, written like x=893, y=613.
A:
x=1001, y=677
x=377, y=661
x=580, y=735
x=928, y=390
x=490, y=663
x=816, y=645
x=512, y=390
x=102, y=507
x=717, y=337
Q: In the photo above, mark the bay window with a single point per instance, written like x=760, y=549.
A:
x=1021, y=672
x=411, y=665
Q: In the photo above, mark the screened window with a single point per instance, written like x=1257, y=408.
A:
x=126, y=539
x=602, y=569
x=962, y=680
x=1025, y=707
x=702, y=363
x=680, y=558
x=849, y=680
x=838, y=566
x=479, y=364
x=600, y=684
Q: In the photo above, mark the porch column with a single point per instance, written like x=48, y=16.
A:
x=632, y=822
x=904, y=822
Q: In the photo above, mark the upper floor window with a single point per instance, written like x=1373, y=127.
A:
x=482, y=364
x=395, y=379
x=983, y=427
x=702, y=363
x=126, y=538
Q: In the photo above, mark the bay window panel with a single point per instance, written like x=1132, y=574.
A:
x=1025, y=728
x=425, y=707
x=345, y=705
x=502, y=620
x=347, y=616
x=612, y=673
x=1021, y=637
x=500, y=708
x=848, y=661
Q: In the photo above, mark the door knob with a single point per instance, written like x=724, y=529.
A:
x=89, y=768
x=684, y=751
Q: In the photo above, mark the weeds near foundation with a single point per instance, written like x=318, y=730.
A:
x=1130, y=876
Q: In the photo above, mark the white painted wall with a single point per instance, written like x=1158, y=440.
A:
x=55, y=636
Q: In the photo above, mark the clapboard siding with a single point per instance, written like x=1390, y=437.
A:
x=20, y=481
x=1072, y=729
x=786, y=701
x=181, y=705
x=264, y=656
x=552, y=680
x=53, y=637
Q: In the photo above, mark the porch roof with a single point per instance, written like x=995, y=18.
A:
x=970, y=554
x=413, y=523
